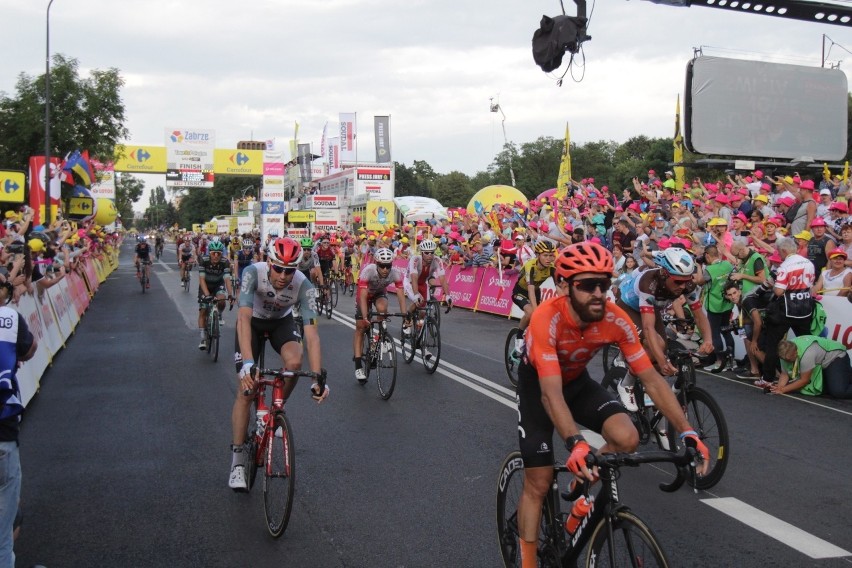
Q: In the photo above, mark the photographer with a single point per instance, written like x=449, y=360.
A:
x=751, y=307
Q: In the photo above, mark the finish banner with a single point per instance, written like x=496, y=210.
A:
x=382, y=128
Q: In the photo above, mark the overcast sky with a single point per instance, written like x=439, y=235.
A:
x=254, y=68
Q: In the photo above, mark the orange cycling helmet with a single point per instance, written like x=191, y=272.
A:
x=284, y=252
x=584, y=257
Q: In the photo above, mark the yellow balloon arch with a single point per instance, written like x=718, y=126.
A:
x=491, y=195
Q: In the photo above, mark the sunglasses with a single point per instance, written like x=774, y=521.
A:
x=383, y=266
x=424, y=253
x=283, y=269
x=589, y=285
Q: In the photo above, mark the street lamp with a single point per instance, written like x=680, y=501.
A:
x=495, y=107
x=47, y=168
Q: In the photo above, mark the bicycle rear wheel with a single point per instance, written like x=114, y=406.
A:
x=633, y=544
x=333, y=290
x=512, y=362
x=386, y=366
x=329, y=304
x=143, y=280
x=213, y=345
x=705, y=415
x=279, y=483
x=366, y=358
x=430, y=345
x=510, y=486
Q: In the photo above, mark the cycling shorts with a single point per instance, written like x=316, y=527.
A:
x=590, y=405
x=521, y=297
x=371, y=300
x=185, y=258
x=219, y=290
x=281, y=331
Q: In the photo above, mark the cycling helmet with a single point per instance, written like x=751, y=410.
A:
x=216, y=246
x=284, y=252
x=544, y=247
x=215, y=239
x=307, y=243
x=427, y=245
x=140, y=238
x=675, y=261
x=248, y=243
x=584, y=257
x=384, y=256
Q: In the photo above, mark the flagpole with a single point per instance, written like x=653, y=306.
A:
x=47, y=176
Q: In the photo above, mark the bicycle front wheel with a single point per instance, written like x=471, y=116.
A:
x=430, y=345
x=279, y=483
x=333, y=296
x=329, y=304
x=610, y=352
x=510, y=359
x=251, y=446
x=214, y=337
x=705, y=415
x=386, y=367
x=366, y=356
x=407, y=342
x=633, y=544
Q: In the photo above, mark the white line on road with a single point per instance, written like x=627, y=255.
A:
x=783, y=532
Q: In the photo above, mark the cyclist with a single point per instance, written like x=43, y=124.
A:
x=373, y=281
x=643, y=295
x=186, y=257
x=556, y=391
x=245, y=257
x=213, y=280
x=143, y=256
x=158, y=244
x=527, y=292
x=309, y=263
x=326, y=256
x=424, y=270
x=268, y=293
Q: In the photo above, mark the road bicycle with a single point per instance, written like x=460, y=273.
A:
x=212, y=332
x=614, y=534
x=701, y=409
x=269, y=442
x=424, y=333
x=677, y=329
x=142, y=270
x=348, y=283
x=186, y=279
x=158, y=250
x=511, y=357
x=379, y=353
x=324, y=302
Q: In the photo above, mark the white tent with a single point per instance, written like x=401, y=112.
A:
x=414, y=208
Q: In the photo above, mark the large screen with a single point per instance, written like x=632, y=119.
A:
x=745, y=108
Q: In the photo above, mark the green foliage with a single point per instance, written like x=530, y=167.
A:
x=128, y=190
x=84, y=113
x=160, y=213
x=199, y=205
x=453, y=189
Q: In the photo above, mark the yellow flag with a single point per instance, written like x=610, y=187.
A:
x=679, y=173
x=564, y=167
x=826, y=173
x=845, y=172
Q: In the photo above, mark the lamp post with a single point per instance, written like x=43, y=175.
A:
x=47, y=168
x=495, y=107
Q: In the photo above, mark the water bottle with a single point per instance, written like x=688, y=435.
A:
x=581, y=508
x=261, y=419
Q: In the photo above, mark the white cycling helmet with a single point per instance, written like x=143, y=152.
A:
x=427, y=245
x=675, y=261
x=384, y=256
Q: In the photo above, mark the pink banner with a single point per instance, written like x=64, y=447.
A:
x=464, y=285
x=79, y=295
x=495, y=294
x=401, y=264
x=91, y=276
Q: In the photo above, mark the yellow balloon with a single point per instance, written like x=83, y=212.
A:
x=493, y=195
x=106, y=211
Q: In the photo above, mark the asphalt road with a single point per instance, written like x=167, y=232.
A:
x=125, y=454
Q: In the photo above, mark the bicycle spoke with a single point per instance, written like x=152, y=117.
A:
x=279, y=482
x=386, y=367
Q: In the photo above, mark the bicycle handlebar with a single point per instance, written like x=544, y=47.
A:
x=372, y=314
x=287, y=374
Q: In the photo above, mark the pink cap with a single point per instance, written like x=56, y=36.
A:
x=808, y=184
x=602, y=201
x=591, y=180
x=651, y=172
x=765, y=187
x=818, y=222
x=777, y=220
x=728, y=186
x=658, y=183
x=775, y=257
x=722, y=198
x=839, y=206
x=758, y=174
x=748, y=179
x=604, y=188
x=788, y=201
x=741, y=216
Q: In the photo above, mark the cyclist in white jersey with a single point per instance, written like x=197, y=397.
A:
x=268, y=292
x=373, y=282
x=424, y=270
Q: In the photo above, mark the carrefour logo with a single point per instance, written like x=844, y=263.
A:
x=239, y=158
x=177, y=136
x=140, y=155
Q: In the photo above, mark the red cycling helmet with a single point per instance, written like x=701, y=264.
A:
x=284, y=252
x=584, y=257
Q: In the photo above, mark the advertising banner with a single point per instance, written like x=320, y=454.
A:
x=140, y=159
x=238, y=162
x=272, y=193
x=245, y=224
x=305, y=162
x=303, y=216
x=270, y=223
x=37, y=192
x=380, y=214
x=401, y=264
x=105, y=176
x=382, y=127
x=348, y=137
x=13, y=186
x=189, y=157
x=376, y=183
x=223, y=225
x=495, y=294
x=323, y=202
x=464, y=285
x=298, y=232
x=334, y=155
x=273, y=207
x=211, y=227
x=327, y=220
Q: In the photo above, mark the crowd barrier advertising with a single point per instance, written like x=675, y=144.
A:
x=53, y=314
x=495, y=294
x=464, y=285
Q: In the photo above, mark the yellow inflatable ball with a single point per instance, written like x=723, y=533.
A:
x=36, y=245
x=106, y=211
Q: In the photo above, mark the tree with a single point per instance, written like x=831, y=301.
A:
x=128, y=190
x=537, y=166
x=453, y=189
x=405, y=180
x=160, y=213
x=200, y=204
x=86, y=114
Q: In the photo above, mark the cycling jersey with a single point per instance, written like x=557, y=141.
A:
x=375, y=285
x=244, y=259
x=325, y=253
x=267, y=303
x=534, y=274
x=556, y=345
x=213, y=273
x=645, y=292
x=308, y=261
x=423, y=271
x=185, y=251
x=143, y=251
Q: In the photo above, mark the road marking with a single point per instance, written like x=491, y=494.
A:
x=783, y=532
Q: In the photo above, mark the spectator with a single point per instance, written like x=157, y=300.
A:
x=718, y=307
x=752, y=265
x=814, y=365
x=820, y=245
x=835, y=280
x=751, y=309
